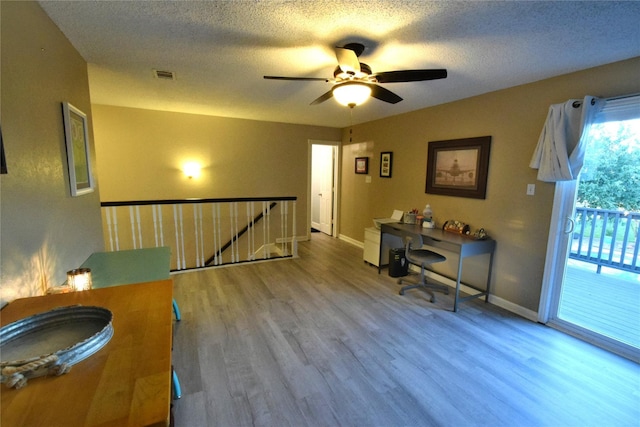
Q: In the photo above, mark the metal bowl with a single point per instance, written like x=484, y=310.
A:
x=71, y=333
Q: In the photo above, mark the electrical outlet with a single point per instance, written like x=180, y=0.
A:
x=531, y=189
x=368, y=179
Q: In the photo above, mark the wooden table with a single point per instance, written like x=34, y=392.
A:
x=126, y=383
x=463, y=246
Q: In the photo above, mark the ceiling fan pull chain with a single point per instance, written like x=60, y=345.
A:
x=350, y=125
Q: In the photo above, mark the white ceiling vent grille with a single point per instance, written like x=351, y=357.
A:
x=164, y=75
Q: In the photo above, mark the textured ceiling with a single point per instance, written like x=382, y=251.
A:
x=219, y=50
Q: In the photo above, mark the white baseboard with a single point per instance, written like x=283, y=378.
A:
x=514, y=308
x=497, y=301
x=352, y=241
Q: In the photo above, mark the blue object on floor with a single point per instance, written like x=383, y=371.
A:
x=176, y=310
x=177, y=390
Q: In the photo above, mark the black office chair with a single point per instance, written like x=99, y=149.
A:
x=415, y=255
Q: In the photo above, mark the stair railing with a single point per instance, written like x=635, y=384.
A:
x=222, y=231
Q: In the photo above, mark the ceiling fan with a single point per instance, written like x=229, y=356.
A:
x=355, y=82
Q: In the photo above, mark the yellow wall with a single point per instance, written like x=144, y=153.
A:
x=44, y=230
x=141, y=153
x=514, y=118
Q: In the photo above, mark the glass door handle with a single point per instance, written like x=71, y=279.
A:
x=571, y=224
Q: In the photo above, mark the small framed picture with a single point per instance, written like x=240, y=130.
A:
x=362, y=165
x=76, y=134
x=386, y=159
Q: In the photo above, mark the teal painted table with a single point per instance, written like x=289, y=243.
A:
x=133, y=266
x=127, y=267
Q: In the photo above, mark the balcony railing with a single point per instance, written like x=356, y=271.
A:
x=204, y=232
x=606, y=238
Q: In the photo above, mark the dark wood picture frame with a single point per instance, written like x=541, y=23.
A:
x=386, y=164
x=362, y=165
x=459, y=167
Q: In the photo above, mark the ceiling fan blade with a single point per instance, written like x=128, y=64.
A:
x=323, y=98
x=385, y=95
x=347, y=60
x=319, y=79
x=410, y=75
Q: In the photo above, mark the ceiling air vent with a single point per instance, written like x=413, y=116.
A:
x=165, y=75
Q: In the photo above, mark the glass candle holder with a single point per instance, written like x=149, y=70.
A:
x=79, y=279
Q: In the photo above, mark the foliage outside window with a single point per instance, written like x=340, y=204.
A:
x=610, y=178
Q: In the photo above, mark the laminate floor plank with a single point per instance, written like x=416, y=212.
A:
x=324, y=340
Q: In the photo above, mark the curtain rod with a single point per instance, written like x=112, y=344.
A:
x=577, y=104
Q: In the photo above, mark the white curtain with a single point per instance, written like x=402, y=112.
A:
x=559, y=154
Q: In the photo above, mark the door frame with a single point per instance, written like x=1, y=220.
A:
x=336, y=183
x=557, y=249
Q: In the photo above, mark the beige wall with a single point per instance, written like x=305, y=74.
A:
x=40, y=222
x=44, y=231
x=514, y=118
x=141, y=153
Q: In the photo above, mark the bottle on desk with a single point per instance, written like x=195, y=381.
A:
x=428, y=217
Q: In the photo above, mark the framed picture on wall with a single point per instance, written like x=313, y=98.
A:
x=362, y=165
x=386, y=163
x=76, y=134
x=458, y=167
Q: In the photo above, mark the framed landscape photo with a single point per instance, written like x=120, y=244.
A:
x=76, y=134
x=362, y=165
x=386, y=163
x=458, y=167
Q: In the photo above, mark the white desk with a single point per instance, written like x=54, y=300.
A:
x=463, y=246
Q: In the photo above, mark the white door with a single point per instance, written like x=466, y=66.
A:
x=322, y=187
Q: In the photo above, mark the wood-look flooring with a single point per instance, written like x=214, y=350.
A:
x=323, y=340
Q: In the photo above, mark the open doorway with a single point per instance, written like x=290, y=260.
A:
x=323, y=184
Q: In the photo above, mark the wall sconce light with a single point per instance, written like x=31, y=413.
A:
x=191, y=169
x=79, y=279
x=351, y=93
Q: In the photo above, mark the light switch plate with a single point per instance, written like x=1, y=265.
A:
x=531, y=189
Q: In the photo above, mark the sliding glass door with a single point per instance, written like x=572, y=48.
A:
x=592, y=284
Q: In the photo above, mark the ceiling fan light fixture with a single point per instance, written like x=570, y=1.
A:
x=351, y=94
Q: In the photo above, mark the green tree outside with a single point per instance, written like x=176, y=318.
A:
x=610, y=177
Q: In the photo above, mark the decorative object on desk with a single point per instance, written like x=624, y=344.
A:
x=428, y=217
x=458, y=227
x=76, y=135
x=79, y=279
x=362, y=165
x=386, y=163
x=50, y=343
x=480, y=234
x=458, y=167
x=410, y=217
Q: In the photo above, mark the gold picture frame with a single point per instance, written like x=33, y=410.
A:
x=76, y=134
